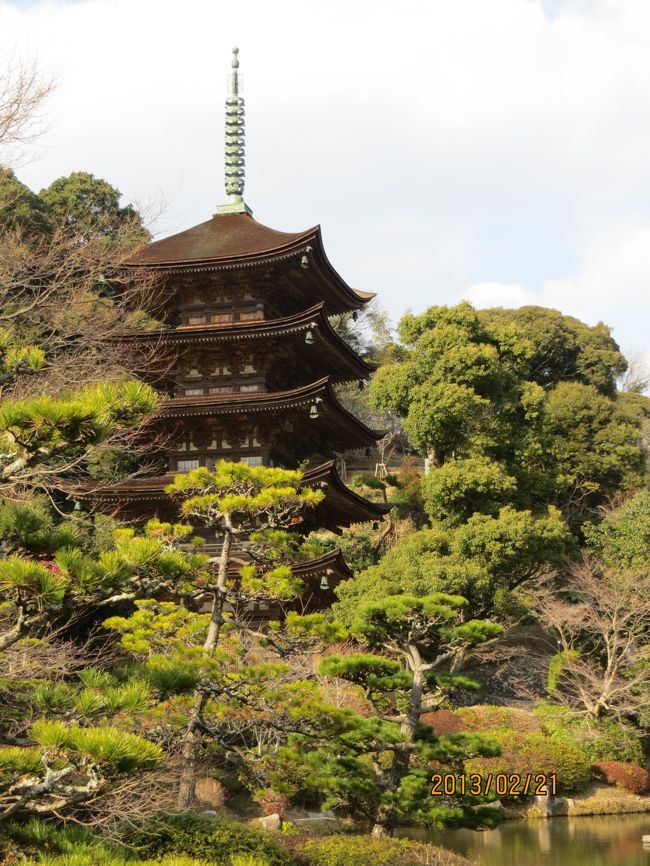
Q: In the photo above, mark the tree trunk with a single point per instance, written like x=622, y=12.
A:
x=192, y=739
x=386, y=816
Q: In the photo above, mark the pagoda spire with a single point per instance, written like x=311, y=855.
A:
x=235, y=146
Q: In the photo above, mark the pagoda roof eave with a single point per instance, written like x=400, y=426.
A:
x=319, y=392
x=310, y=569
x=237, y=241
x=362, y=510
x=314, y=318
x=344, y=508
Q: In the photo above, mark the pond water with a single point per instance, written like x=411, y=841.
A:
x=599, y=840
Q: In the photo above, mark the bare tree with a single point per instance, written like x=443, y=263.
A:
x=636, y=379
x=23, y=92
x=602, y=622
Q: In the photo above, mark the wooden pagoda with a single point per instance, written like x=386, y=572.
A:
x=255, y=359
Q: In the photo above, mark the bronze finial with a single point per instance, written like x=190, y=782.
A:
x=235, y=145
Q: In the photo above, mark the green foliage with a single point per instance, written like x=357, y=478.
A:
x=459, y=488
x=555, y=667
x=30, y=527
x=118, y=751
x=89, y=207
x=17, y=358
x=21, y=210
x=601, y=739
x=242, y=492
x=26, y=581
x=215, y=840
x=374, y=672
x=481, y=560
x=48, y=433
x=622, y=539
x=513, y=407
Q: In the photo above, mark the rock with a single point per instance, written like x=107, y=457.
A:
x=268, y=822
x=208, y=813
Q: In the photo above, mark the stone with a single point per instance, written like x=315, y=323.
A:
x=269, y=822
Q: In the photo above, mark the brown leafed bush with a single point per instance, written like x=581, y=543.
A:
x=273, y=802
x=491, y=718
x=210, y=792
x=444, y=722
x=630, y=777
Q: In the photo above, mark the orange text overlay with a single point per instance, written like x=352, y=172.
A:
x=501, y=784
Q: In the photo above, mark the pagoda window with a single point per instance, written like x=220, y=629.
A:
x=249, y=389
x=196, y=320
x=225, y=443
x=221, y=318
x=194, y=392
x=193, y=374
x=252, y=316
x=248, y=366
x=252, y=460
x=221, y=389
x=187, y=465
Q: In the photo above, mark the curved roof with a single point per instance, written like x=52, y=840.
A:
x=224, y=237
x=332, y=413
x=234, y=241
x=343, y=363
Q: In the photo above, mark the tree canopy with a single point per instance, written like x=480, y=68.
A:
x=514, y=407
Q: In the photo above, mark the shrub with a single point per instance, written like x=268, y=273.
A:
x=273, y=802
x=370, y=851
x=600, y=740
x=533, y=754
x=630, y=777
x=491, y=718
x=210, y=792
x=213, y=839
x=444, y=722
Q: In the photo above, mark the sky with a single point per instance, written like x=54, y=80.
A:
x=493, y=150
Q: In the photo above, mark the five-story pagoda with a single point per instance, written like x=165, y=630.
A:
x=256, y=359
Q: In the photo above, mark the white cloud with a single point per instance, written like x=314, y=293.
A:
x=498, y=295
x=503, y=146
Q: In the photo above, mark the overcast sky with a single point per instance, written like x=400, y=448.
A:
x=496, y=150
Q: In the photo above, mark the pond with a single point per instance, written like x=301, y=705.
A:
x=599, y=840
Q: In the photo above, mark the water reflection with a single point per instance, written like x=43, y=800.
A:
x=601, y=840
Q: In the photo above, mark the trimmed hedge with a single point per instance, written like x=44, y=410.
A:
x=532, y=754
x=486, y=718
x=444, y=722
x=630, y=777
x=213, y=839
x=371, y=851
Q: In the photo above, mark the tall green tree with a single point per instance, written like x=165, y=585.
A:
x=483, y=560
x=89, y=207
x=514, y=407
x=235, y=500
x=410, y=669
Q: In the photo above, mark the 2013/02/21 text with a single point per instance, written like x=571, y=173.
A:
x=501, y=784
